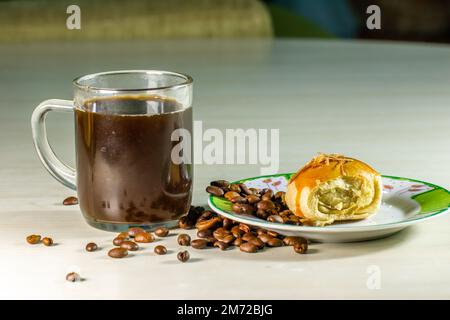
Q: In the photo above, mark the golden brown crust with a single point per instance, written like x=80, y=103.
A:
x=333, y=187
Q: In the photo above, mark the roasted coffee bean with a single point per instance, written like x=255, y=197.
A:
x=272, y=233
x=204, y=233
x=237, y=232
x=227, y=223
x=238, y=199
x=123, y=235
x=275, y=218
x=301, y=247
x=238, y=241
x=184, y=239
x=144, y=237
x=162, y=232
x=129, y=245
x=91, y=246
x=199, y=243
x=210, y=240
x=223, y=235
x=185, y=223
x=257, y=242
x=252, y=198
x=245, y=189
x=260, y=231
x=206, y=215
x=265, y=205
x=285, y=213
x=247, y=236
x=244, y=227
x=279, y=195
x=267, y=195
x=262, y=214
x=231, y=194
x=47, y=241
x=242, y=208
x=117, y=241
x=290, y=240
x=265, y=237
x=34, y=239
x=160, y=250
x=73, y=276
x=194, y=213
x=220, y=183
x=132, y=232
x=183, y=256
x=118, y=253
x=248, y=247
x=274, y=242
x=70, y=201
x=215, y=191
x=221, y=245
x=255, y=191
x=208, y=224
x=235, y=187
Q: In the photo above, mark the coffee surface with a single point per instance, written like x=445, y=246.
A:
x=125, y=173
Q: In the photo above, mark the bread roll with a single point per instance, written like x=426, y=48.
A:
x=332, y=188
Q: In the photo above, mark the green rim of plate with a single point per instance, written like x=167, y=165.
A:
x=438, y=195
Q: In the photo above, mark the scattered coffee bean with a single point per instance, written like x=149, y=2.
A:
x=265, y=205
x=238, y=199
x=235, y=187
x=118, y=253
x=251, y=198
x=184, y=239
x=46, y=241
x=129, y=245
x=272, y=233
x=223, y=235
x=267, y=195
x=144, y=237
x=236, y=232
x=242, y=208
x=244, y=227
x=118, y=241
x=73, y=276
x=162, y=232
x=248, y=247
x=301, y=247
x=238, y=241
x=132, y=232
x=91, y=246
x=220, y=183
x=160, y=250
x=247, y=236
x=215, y=191
x=70, y=201
x=264, y=237
x=274, y=242
x=185, y=223
x=227, y=223
x=183, y=256
x=208, y=224
x=123, y=235
x=34, y=239
x=245, y=189
x=204, y=233
x=257, y=242
x=199, y=243
x=290, y=240
x=275, y=218
x=221, y=245
x=231, y=194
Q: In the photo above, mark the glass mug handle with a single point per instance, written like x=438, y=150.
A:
x=59, y=170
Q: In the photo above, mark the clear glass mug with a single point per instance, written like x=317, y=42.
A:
x=126, y=174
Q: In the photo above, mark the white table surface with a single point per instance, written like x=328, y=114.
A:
x=388, y=104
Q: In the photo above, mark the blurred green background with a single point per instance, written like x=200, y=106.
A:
x=37, y=20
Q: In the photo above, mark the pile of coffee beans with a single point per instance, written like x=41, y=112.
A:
x=223, y=233
x=264, y=204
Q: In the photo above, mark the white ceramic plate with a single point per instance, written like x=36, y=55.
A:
x=405, y=202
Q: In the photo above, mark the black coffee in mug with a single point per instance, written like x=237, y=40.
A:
x=124, y=124
x=124, y=166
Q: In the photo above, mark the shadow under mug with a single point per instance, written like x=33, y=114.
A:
x=125, y=121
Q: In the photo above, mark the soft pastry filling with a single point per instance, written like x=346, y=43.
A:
x=343, y=195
